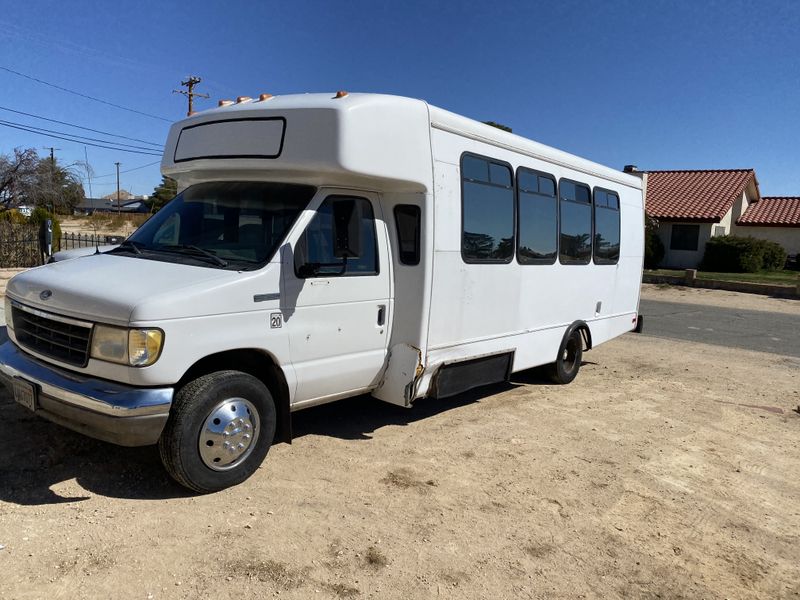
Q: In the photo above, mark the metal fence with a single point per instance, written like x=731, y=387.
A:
x=20, y=244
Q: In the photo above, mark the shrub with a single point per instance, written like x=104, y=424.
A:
x=13, y=216
x=733, y=254
x=774, y=256
x=653, y=246
x=19, y=245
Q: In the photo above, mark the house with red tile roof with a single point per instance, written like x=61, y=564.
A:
x=693, y=206
x=775, y=218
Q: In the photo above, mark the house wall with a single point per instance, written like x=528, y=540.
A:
x=685, y=259
x=788, y=237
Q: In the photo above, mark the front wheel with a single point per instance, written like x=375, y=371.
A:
x=219, y=431
x=566, y=367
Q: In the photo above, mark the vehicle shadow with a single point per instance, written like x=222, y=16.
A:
x=42, y=463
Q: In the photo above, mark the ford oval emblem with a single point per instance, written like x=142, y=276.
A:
x=45, y=295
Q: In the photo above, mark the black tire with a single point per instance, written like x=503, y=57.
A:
x=192, y=406
x=568, y=363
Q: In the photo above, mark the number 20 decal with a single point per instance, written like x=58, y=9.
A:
x=275, y=321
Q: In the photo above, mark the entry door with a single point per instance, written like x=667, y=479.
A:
x=337, y=311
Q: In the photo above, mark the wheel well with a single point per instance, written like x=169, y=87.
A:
x=261, y=366
x=586, y=334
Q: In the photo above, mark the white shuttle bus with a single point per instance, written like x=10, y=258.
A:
x=324, y=246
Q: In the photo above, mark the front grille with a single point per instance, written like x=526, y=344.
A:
x=63, y=339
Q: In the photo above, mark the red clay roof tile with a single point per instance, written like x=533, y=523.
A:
x=694, y=195
x=783, y=211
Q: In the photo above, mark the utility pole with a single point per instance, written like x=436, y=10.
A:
x=52, y=176
x=118, y=209
x=190, y=82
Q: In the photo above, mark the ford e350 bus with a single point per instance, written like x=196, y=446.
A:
x=324, y=246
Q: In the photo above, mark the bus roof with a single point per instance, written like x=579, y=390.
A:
x=336, y=137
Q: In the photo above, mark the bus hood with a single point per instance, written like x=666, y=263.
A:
x=120, y=289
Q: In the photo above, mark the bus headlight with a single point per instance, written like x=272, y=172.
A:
x=134, y=347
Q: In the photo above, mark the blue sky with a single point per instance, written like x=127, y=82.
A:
x=664, y=85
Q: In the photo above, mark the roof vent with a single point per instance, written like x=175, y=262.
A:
x=263, y=97
x=241, y=99
x=224, y=102
x=340, y=94
x=630, y=169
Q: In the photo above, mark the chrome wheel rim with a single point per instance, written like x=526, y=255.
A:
x=229, y=434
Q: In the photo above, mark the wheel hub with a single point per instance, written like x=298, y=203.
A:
x=229, y=434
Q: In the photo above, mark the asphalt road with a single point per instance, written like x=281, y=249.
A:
x=762, y=331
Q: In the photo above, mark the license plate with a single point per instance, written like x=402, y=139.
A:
x=25, y=393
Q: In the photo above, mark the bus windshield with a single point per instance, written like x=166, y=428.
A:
x=229, y=225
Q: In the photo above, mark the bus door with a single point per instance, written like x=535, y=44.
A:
x=337, y=294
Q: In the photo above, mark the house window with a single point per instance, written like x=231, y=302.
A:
x=575, y=205
x=487, y=202
x=719, y=230
x=684, y=237
x=538, y=218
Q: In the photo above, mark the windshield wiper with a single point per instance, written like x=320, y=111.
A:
x=195, y=251
x=129, y=244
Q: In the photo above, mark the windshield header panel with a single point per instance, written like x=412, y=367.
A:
x=225, y=225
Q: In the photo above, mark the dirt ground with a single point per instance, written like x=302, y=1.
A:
x=110, y=224
x=666, y=470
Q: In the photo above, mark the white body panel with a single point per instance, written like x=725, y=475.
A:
x=330, y=343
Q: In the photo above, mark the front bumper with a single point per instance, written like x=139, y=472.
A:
x=105, y=410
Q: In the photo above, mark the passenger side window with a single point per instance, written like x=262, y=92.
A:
x=575, y=205
x=407, y=220
x=487, y=203
x=538, y=218
x=606, y=227
x=314, y=252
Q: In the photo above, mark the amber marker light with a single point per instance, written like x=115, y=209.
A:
x=263, y=97
x=340, y=94
x=224, y=102
x=241, y=99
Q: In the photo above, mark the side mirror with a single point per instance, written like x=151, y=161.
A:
x=346, y=229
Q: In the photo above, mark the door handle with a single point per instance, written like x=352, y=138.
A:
x=381, y=315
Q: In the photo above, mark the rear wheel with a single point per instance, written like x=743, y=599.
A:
x=219, y=431
x=568, y=363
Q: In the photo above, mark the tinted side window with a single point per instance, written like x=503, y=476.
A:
x=487, y=210
x=407, y=220
x=606, y=227
x=537, y=218
x=575, y=208
x=315, y=247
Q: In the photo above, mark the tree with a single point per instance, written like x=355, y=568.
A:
x=653, y=246
x=163, y=193
x=55, y=187
x=26, y=178
x=17, y=172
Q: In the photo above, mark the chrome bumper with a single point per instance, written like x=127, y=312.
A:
x=105, y=410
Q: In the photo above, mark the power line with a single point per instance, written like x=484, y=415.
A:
x=80, y=137
x=124, y=137
x=61, y=137
x=127, y=170
x=63, y=89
